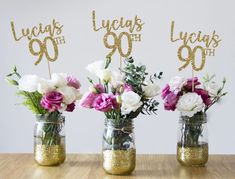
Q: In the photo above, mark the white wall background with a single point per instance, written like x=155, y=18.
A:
x=154, y=134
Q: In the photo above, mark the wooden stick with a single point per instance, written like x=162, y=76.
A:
x=193, y=80
x=49, y=68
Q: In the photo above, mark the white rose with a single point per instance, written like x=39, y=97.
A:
x=116, y=79
x=95, y=67
x=212, y=87
x=151, y=90
x=189, y=104
x=29, y=83
x=59, y=79
x=45, y=86
x=104, y=75
x=70, y=94
x=177, y=83
x=130, y=102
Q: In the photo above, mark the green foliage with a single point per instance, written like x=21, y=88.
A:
x=107, y=62
x=220, y=93
x=136, y=76
x=150, y=107
x=32, y=101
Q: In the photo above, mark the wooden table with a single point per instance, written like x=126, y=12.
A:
x=81, y=166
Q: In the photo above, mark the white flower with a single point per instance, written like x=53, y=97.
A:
x=104, y=75
x=177, y=83
x=130, y=102
x=59, y=79
x=212, y=87
x=189, y=104
x=70, y=94
x=151, y=90
x=95, y=67
x=116, y=79
x=29, y=83
x=45, y=86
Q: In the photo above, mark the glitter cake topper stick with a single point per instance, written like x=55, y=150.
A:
x=49, y=68
x=193, y=80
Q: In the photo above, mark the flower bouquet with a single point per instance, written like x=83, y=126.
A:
x=122, y=96
x=48, y=99
x=193, y=99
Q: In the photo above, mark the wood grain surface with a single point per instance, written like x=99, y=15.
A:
x=89, y=166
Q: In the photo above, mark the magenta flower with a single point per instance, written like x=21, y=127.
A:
x=104, y=102
x=205, y=96
x=73, y=82
x=70, y=107
x=190, y=82
x=88, y=100
x=165, y=91
x=170, y=101
x=52, y=101
x=99, y=88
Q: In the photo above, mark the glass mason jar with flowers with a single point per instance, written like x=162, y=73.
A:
x=122, y=96
x=48, y=99
x=192, y=98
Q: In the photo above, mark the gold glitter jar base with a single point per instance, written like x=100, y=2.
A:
x=119, y=162
x=49, y=155
x=192, y=156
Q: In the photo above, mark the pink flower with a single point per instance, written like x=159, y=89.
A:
x=105, y=102
x=205, y=96
x=170, y=101
x=70, y=107
x=52, y=101
x=73, y=82
x=165, y=91
x=88, y=100
x=190, y=82
x=99, y=88
x=127, y=87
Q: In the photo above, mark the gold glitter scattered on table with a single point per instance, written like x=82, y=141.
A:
x=192, y=156
x=49, y=154
x=119, y=162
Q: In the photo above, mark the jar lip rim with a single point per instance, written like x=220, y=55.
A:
x=194, y=118
x=110, y=123
x=54, y=119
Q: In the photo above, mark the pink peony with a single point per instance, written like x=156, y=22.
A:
x=73, y=82
x=170, y=101
x=205, y=96
x=70, y=107
x=52, y=101
x=165, y=91
x=190, y=82
x=87, y=100
x=99, y=88
x=105, y=102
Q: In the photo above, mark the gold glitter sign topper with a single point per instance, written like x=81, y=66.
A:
x=52, y=35
x=132, y=34
x=206, y=44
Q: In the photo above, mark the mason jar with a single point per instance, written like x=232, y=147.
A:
x=192, y=145
x=119, y=153
x=49, y=139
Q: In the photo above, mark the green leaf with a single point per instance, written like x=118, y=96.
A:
x=32, y=101
x=12, y=82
